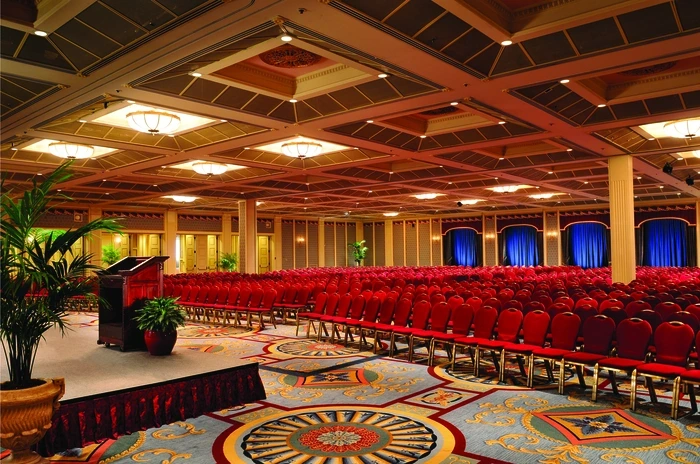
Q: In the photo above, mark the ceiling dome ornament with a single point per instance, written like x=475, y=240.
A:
x=289, y=56
x=647, y=70
x=70, y=150
x=683, y=129
x=302, y=149
x=153, y=122
x=440, y=111
x=209, y=168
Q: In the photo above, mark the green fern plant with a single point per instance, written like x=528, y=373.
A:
x=161, y=314
x=359, y=250
x=110, y=255
x=228, y=262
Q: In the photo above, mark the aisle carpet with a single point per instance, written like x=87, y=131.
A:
x=331, y=404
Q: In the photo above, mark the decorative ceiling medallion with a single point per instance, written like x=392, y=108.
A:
x=647, y=70
x=440, y=111
x=289, y=56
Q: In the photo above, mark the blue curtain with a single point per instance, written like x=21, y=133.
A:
x=464, y=247
x=665, y=242
x=520, y=246
x=588, y=244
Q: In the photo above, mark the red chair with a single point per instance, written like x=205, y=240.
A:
x=268, y=300
x=462, y=318
x=635, y=306
x=533, y=306
x=615, y=313
x=513, y=304
x=484, y=324
x=652, y=317
x=598, y=332
x=694, y=309
x=356, y=310
x=421, y=316
x=584, y=312
x=402, y=313
x=535, y=327
x=386, y=314
x=587, y=301
x=493, y=302
x=317, y=311
x=666, y=308
x=474, y=303
x=439, y=318
x=568, y=301
x=673, y=342
x=691, y=378
x=686, y=318
x=341, y=313
x=370, y=315
x=633, y=337
x=565, y=327
x=612, y=303
x=509, y=323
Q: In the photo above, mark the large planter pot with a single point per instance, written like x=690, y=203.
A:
x=160, y=343
x=26, y=417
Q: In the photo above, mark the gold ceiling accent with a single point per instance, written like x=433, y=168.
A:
x=289, y=56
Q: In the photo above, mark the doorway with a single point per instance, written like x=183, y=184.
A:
x=264, y=253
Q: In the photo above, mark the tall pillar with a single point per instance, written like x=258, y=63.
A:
x=389, y=243
x=359, y=232
x=697, y=236
x=620, y=177
x=170, y=243
x=94, y=245
x=277, y=243
x=321, y=242
x=247, y=217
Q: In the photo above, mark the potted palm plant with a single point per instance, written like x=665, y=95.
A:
x=110, y=255
x=159, y=319
x=39, y=277
x=228, y=262
x=359, y=251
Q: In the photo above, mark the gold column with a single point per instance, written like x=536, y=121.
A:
x=622, y=218
x=170, y=244
x=321, y=242
x=388, y=243
x=226, y=240
x=276, y=264
x=94, y=245
x=247, y=217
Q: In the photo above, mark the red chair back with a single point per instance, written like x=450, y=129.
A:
x=686, y=318
x=244, y=296
x=612, y=303
x=513, y=304
x=269, y=297
x=584, y=312
x=462, y=318
x=652, y=317
x=568, y=301
x=666, y=308
x=615, y=313
x=556, y=309
x=332, y=304
x=485, y=321
x=440, y=316
x=344, y=305
x=386, y=311
x=633, y=337
x=587, y=300
x=357, y=307
x=232, y=298
x=290, y=294
x=421, y=315
x=535, y=327
x=533, y=306
x=565, y=327
x=436, y=298
x=372, y=309
x=673, y=341
x=474, y=302
x=509, y=322
x=321, y=300
x=303, y=295
x=402, y=312
x=256, y=297
x=633, y=307
x=598, y=333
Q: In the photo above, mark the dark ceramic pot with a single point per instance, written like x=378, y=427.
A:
x=160, y=343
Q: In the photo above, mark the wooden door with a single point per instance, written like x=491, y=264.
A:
x=263, y=253
x=212, y=252
x=154, y=245
x=189, y=253
x=201, y=248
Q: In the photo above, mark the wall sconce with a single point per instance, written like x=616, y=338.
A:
x=300, y=240
x=118, y=239
x=490, y=236
x=436, y=238
x=553, y=234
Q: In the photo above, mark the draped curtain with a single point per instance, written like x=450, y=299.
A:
x=520, y=246
x=665, y=243
x=462, y=247
x=588, y=244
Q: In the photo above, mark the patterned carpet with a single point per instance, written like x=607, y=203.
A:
x=334, y=405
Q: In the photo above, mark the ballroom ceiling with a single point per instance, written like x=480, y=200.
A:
x=408, y=97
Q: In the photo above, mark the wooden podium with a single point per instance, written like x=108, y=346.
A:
x=124, y=288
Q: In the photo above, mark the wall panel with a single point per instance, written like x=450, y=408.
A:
x=424, y=243
x=411, y=241
x=329, y=244
x=552, y=239
x=398, y=243
x=287, y=244
x=300, y=244
x=437, y=244
x=379, y=244
x=490, y=242
x=369, y=243
x=341, y=245
x=312, y=243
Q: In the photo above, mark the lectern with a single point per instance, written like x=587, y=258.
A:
x=124, y=287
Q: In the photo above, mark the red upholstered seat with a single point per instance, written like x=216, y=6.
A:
x=484, y=324
x=421, y=316
x=535, y=326
x=509, y=323
x=691, y=376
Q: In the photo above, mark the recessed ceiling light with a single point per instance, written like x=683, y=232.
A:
x=661, y=186
x=469, y=202
x=501, y=122
x=223, y=120
x=507, y=188
x=39, y=174
x=427, y=196
x=106, y=193
x=155, y=185
x=505, y=43
x=440, y=166
x=679, y=193
x=391, y=214
x=171, y=135
x=82, y=120
x=370, y=121
x=569, y=149
x=454, y=103
x=391, y=172
x=306, y=198
x=585, y=181
x=40, y=33
x=246, y=148
x=680, y=158
x=635, y=196
x=602, y=105
x=423, y=136
x=286, y=38
x=59, y=190
x=292, y=100
x=369, y=191
x=564, y=81
x=131, y=102
x=550, y=172
x=104, y=180
x=651, y=138
x=382, y=75
x=14, y=148
x=181, y=198
x=449, y=183
x=196, y=74
x=501, y=158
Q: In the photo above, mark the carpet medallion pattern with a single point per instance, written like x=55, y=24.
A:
x=331, y=404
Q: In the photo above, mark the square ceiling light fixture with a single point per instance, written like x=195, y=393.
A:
x=190, y=166
x=302, y=147
x=115, y=115
x=44, y=146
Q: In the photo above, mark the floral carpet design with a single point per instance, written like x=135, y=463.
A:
x=331, y=404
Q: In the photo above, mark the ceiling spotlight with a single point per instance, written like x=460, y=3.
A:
x=639, y=177
x=505, y=43
x=370, y=121
x=564, y=81
x=689, y=180
x=651, y=138
x=391, y=172
x=382, y=75
x=668, y=169
x=501, y=158
x=602, y=105
x=454, y=103
x=292, y=100
x=585, y=182
x=501, y=122
x=423, y=136
x=40, y=33
x=196, y=74
x=286, y=38
x=569, y=149
x=82, y=121
x=685, y=129
x=222, y=120
x=550, y=172
x=542, y=196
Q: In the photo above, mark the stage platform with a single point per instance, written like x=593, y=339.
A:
x=110, y=393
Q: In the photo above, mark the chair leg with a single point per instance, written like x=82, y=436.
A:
x=431, y=352
x=594, y=394
x=633, y=391
x=530, y=370
x=376, y=342
x=652, y=390
x=454, y=358
x=613, y=382
x=410, y=348
x=562, y=365
x=391, y=345
x=676, y=395
x=691, y=394
x=477, y=362
x=521, y=365
x=502, y=369
x=581, y=380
